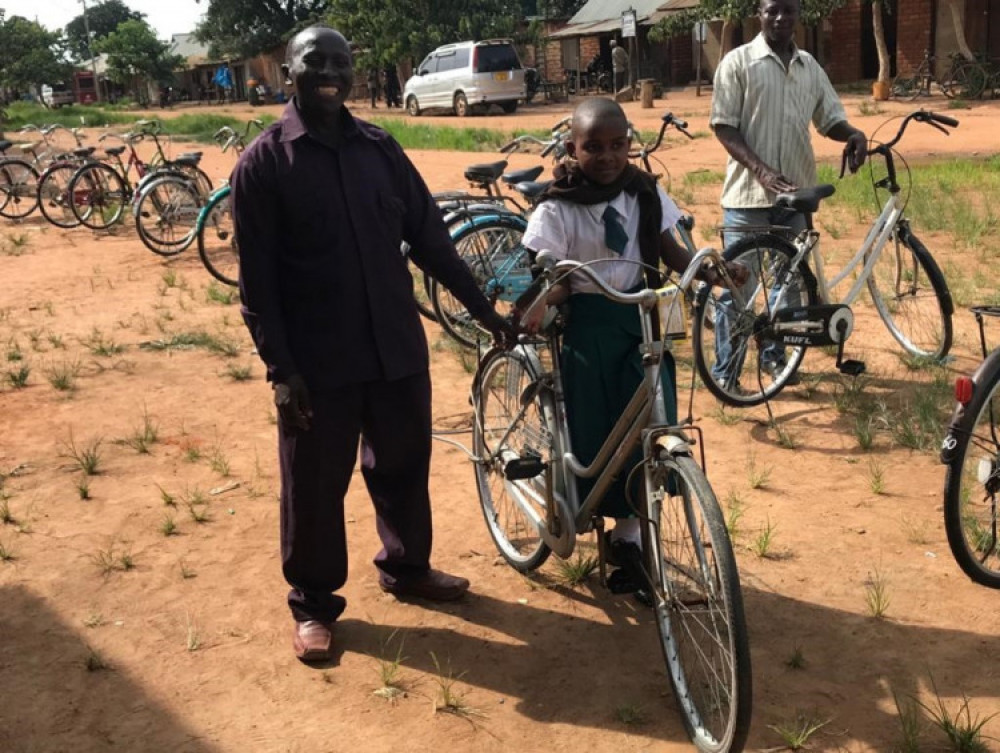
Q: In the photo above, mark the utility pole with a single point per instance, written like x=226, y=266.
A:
x=90, y=49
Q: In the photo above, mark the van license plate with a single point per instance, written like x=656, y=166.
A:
x=501, y=76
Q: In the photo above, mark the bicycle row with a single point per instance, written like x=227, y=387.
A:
x=172, y=201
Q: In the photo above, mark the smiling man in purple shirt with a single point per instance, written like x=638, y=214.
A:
x=321, y=202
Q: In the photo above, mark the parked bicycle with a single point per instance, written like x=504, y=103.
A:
x=957, y=81
x=526, y=475
x=788, y=304
x=971, y=450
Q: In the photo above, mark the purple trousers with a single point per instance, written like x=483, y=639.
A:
x=393, y=422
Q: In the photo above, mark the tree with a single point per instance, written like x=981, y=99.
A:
x=244, y=28
x=878, y=30
x=389, y=30
x=135, y=53
x=103, y=18
x=956, y=22
x=30, y=55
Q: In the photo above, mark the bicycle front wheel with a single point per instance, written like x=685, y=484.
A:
x=18, y=188
x=217, y=239
x=492, y=250
x=54, y=199
x=911, y=296
x=973, y=481
x=698, y=604
x=99, y=196
x=514, y=420
x=165, y=215
x=735, y=360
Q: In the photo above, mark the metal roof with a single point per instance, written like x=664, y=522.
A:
x=603, y=16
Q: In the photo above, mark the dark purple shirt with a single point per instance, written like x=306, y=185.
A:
x=326, y=292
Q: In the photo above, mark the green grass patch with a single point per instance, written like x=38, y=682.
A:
x=420, y=136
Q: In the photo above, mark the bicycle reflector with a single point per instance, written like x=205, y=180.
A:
x=964, y=387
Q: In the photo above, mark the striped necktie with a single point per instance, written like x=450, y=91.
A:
x=615, y=236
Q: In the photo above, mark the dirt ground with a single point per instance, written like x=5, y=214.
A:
x=184, y=643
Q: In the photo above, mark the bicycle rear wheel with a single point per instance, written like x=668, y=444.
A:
x=54, y=198
x=488, y=247
x=18, y=188
x=698, y=604
x=734, y=360
x=911, y=296
x=973, y=481
x=217, y=239
x=99, y=196
x=513, y=420
x=166, y=215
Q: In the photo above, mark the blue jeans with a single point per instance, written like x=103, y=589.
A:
x=727, y=367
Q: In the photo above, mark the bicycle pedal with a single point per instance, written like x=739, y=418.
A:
x=523, y=468
x=852, y=368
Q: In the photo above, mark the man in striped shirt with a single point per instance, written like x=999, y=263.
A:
x=765, y=94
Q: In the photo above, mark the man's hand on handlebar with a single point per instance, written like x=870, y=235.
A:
x=856, y=150
x=736, y=273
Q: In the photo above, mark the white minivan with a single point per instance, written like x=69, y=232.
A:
x=467, y=76
x=57, y=95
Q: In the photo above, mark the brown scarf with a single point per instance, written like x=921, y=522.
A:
x=571, y=185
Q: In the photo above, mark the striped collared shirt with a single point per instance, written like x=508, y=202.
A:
x=772, y=107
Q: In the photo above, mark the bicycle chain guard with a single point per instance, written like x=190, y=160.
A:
x=810, y=326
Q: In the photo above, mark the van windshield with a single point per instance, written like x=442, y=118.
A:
x=496, y=57
x=59, y=88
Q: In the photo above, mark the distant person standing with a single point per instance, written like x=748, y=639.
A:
x=619, y=65
x=392, y=98
x=373, y=85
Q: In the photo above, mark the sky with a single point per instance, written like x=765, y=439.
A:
x=167, y=17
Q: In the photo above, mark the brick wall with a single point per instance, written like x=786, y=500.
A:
x=913, y=33
x=845, y=57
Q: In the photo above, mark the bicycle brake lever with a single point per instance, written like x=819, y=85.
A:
x=843, y=163
x=940, y=127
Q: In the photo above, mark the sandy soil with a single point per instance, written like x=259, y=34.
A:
x=195, y=635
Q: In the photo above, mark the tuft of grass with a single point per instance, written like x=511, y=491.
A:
x=218, y=344
x=187, y=573
x=797, y=660
x=631, y=714
x=219, y=462
x=83, y=487
x=112, y=558
x=6, y=553
x=795, y=733
x=449, y=700
x=910, y=724
x=95, y=619
x=166, y=497
x=915, y=530
x=102, y=346
x=142, y=437
x=239, y=373
x=864, y=430
x=735, y=507
x=62, y=376
x=215, y=293
x=576, y=571
x=168, y=527
x=388, y=667
x=14, y=352
x=724, y=416
x=963, y=729
x=18, y=378
x=757, y=476
x=94, y=662
x=786, y=439
x=6, y=516
x=87, y=457
x=764, y=541
x=877, y=596
x=876, y=477
x=193, y=636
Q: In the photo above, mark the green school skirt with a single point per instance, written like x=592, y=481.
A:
x=601, y=370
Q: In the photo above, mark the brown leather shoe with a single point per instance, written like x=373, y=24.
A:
x=312, y=640
x=433, y=585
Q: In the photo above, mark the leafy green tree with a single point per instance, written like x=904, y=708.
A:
x=134, y=53
x=30, y=55
x=390, y=30
x=103, y=18
x=244, y=28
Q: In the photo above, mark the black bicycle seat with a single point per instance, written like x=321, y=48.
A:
x=486, y=172
x=532, y=189
x=190, y=160
x=84, y=151
x=115, y=150
x=522, y=176
x=805, y=199
x=5, y=145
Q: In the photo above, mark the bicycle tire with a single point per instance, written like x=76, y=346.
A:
x=698, y=604
x=106, y=200
x=54, y=198
x=912, y=297
x=970, y=80
x=906, y=87
x=18, y=188
x=970, y=501
x=526, y=429
x=746, y=381
x=217, y=238
x=166, y=215
x=483, y=243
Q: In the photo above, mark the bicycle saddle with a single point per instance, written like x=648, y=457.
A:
x=521, y=176
x=532, y=189
x=84, y=151
x=190, y=160
x=5, y=145
x=487, y=172
x=114, y=151
x=805, y=199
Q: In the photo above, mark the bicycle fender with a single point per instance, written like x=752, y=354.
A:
x=920, y=250
x=519, y=222
x=673, y=445
x=985, y=374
